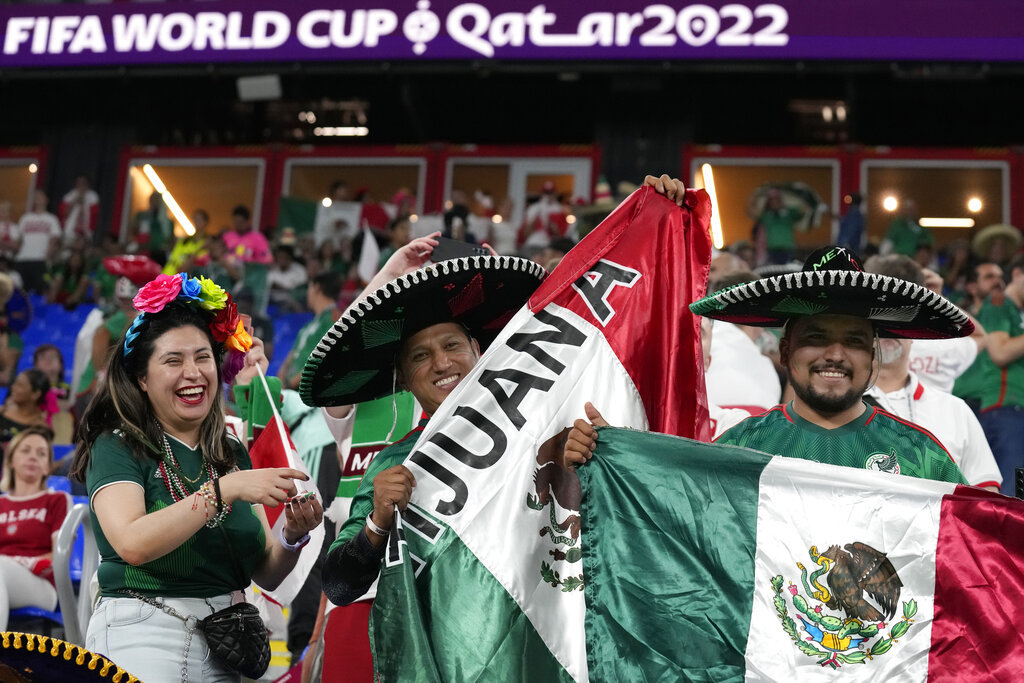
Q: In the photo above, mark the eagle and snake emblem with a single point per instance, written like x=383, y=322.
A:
x=558, y=489
x=861, y=584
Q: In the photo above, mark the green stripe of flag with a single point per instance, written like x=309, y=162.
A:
x=656, y=610
x=454, y=619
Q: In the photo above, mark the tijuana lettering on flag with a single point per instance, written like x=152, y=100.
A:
x=272, y=447
x=723, y=563
x=490, y=551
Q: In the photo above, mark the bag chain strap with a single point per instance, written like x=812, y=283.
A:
x=191, y=624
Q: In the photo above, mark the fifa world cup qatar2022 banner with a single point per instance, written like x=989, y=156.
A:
x=304, y=30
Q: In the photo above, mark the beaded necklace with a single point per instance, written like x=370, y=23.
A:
x=172, y=474
x=170, y=470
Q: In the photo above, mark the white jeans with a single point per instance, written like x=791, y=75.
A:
x=19, y=587
x=150, y=644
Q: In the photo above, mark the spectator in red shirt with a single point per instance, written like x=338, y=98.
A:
x=30, y=516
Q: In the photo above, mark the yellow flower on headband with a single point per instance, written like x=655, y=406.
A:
x=212, y=296
x=240, y=340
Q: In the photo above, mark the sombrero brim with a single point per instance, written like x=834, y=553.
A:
x=354, y=361
x=898, y=308
x=138, y=269
x=981, y=241
x=40, y=658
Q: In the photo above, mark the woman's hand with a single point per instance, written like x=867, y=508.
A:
x=267, y=486
x=256, y=356
x=302, y=514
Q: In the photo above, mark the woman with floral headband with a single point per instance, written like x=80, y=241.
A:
x=174, y=501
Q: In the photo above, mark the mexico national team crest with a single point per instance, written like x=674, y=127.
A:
x=558, y=489
x=883, y=462
x=845, y=612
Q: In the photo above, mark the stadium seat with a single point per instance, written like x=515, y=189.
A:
x=76, y=609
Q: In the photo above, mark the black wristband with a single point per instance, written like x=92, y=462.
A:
x=216, y=490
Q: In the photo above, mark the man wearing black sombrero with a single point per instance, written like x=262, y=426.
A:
x=832, y=312
x=422, y=332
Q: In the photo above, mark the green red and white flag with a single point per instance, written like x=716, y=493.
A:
x=708, y=562
x=485, y=578
x=270, y=445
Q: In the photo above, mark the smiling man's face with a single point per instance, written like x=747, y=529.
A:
x=432, y=362
x=829, y=358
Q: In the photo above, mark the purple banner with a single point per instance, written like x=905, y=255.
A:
x=242, y=31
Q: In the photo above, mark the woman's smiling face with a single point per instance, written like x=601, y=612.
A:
x=180, y=380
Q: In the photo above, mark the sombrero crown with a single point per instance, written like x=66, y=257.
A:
x=355, y=359
x=832, y=281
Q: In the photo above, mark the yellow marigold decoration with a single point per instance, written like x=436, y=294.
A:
x=212, y=296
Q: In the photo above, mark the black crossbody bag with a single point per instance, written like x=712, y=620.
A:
x=236, y=635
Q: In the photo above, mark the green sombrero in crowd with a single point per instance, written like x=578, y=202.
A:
x=355, y=359
x=31, y=657
x=832, y=281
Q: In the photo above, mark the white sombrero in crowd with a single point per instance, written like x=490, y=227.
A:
x=983, y=239
x=355, y=359
x=832, y=281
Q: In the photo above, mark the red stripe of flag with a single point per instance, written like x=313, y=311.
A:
x=657, y=341
x=270, y=450
x=979, y=588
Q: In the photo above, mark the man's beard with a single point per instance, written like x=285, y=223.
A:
x=829, y=404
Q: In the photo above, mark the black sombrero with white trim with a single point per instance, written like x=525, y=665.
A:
x=354, y=360
x=832, y=281
x=33, y=657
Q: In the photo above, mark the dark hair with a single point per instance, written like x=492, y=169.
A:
x=329, y=284
x=972, y=273
x=241, y=210
x=43, y=348
x=562, y=244
x=121, y=404
x=395, y=222
x=202, y=212
x=896, y=265
x=1016, y=263
x=38, y=380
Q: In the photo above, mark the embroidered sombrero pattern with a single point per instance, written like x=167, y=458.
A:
x=898, y=308
x=40, y=658
x=354, y=360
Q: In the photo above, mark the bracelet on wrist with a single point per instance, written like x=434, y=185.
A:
x=216, y=489
x=293, y=547
x=209, y=491
x=383, y=533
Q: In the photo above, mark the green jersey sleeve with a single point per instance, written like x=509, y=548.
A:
x=111, y=462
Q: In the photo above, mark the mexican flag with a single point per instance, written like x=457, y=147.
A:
x=484, y=579
x=270, y=445
x=719, y=563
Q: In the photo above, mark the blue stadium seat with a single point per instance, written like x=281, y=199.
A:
x=52, y=324
x=58, y=483
x=286, y=329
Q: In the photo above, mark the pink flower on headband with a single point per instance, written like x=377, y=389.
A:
x=157, y=293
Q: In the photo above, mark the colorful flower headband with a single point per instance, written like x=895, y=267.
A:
x=226, y=325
